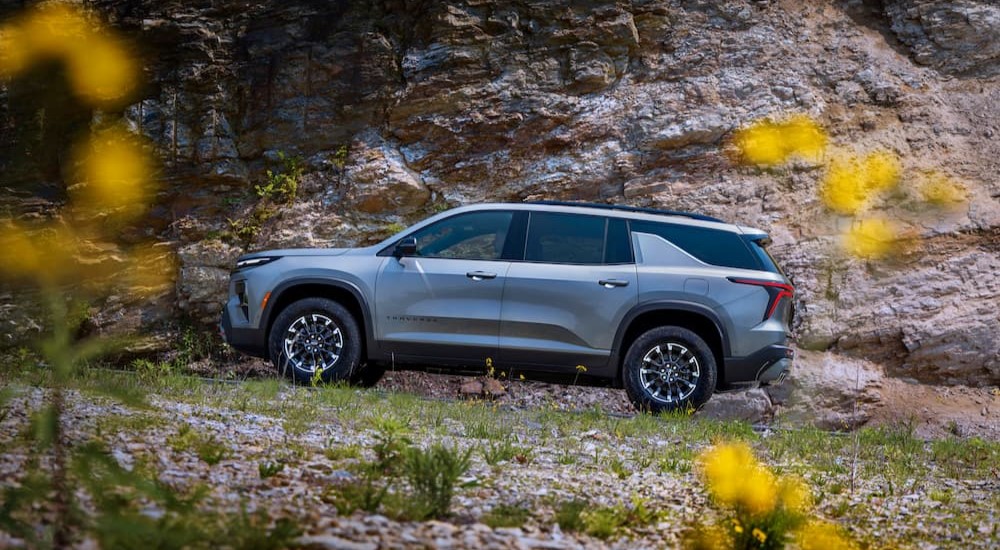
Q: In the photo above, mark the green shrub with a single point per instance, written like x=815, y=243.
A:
x=270, y=469
x=507, y=515
x=568, y=515
x=281, y=186
x=433, y=474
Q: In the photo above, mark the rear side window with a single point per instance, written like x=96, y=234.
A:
x=711, y=246
x=619, y=247
x=565, y=238
x=758, y=245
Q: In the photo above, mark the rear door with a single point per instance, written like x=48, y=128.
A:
x=563, y=303
x=443, y=304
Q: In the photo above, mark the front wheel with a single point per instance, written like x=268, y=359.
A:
x=315, y=339
x=669, y=368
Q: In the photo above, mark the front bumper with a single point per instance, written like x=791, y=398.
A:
x=768, y=366
x=249, y=341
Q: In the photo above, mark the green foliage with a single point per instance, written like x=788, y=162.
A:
x=246, y=229
x=282, y=185
x=209, y=449
x=569, y=515
x=269, y=468
x=504, y=450
x=507, y=515
x=605, y=522
x=433, y=474
x=339, y=157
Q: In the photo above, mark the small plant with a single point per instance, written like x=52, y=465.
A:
x=507, y=515
x=206, y=447
x=339, y=157
x=618, y=467
x=579, y=370
x=337, y=452
x=269, y=469
x=433, y=474
x=569, y=515
x=499, y=451
x=281, y=186
x=365, y=492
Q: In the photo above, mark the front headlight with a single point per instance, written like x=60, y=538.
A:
x=244, y=263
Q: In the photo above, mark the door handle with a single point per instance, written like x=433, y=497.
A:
x=480, y=275
x=611, y=283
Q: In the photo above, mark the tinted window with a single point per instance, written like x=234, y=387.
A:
x=471, y=236
x=757, y=246
x=711, y=246
x=619, y=246
x=565, y=238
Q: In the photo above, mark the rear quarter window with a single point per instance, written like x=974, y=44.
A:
x=712, y=246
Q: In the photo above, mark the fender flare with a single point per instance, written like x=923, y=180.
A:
x=269, y=313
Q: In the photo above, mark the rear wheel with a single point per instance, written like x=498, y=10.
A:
x=669, y=368
x=316, y=339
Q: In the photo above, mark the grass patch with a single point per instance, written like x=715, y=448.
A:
x=507, y=515
x=209, y=449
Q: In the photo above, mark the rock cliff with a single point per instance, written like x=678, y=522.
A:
x=399, y=108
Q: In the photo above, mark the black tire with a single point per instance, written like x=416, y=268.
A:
x=666, y=382
x=334, y=341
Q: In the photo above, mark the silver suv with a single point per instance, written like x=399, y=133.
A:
x=671, y=306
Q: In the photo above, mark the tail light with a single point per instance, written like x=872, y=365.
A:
x=775, y=292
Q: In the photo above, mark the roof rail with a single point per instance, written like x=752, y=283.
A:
x=625, y=208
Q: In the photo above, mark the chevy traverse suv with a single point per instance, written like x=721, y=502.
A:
x=672, y=306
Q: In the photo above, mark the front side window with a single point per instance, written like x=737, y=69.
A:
x=470, y=236
x=565, y=238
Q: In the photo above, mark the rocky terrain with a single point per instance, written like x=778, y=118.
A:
x=401, y=108
x=534, y=450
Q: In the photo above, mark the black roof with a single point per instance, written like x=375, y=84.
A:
x=626, y=208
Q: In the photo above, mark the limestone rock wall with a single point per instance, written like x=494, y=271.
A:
x=399, y=108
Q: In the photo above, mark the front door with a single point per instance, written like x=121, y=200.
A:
x=443, y=304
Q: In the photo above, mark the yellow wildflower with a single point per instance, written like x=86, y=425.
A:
x=942, y=191
x=871, y=238
x=581, y=368
x=116, y=170
x=881, y=171
x=101, y=70
x=759, y=494
x=771, y=143
x=726, y=467
x=843, y=188
x=820, y=535
x=794, y=495
x=759, y=535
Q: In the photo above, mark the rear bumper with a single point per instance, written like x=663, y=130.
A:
x=768, y=366
x=246, y=340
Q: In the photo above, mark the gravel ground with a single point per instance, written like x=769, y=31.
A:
x=602, y=458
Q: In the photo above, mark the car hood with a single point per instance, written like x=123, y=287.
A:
x=284, y=252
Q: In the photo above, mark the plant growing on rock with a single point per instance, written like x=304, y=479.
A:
x=281, y=186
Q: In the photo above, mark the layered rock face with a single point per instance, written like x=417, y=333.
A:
x=401, y=108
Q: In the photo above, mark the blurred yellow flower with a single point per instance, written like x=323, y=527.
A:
x=116, y=172
x=15, y=55
x=881, y=170
x=759, y=493
x=770, y=143
x=726, y=466
x=100, y=68
x=851, y=181
x=46, y=256
x=794, y=495
x=941, y=191
x=871, y=238
x=759, y=535
x=820, y=535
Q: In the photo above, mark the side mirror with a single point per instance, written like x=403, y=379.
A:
x=405, y=247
